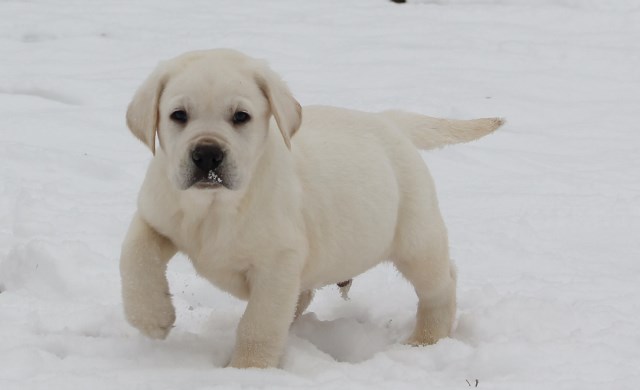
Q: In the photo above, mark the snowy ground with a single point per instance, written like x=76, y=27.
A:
x=544, y=216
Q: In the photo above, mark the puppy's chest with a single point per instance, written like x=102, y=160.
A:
x=218, y=253
x=205, y=239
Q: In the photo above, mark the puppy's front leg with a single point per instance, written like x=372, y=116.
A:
x=263, y=329
x=145, y=289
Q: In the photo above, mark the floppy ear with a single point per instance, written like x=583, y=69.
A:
x=142, y=114
x=284, y=106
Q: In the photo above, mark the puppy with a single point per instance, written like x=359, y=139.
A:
x=271, y=201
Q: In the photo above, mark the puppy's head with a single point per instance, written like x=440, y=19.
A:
x=211, y=111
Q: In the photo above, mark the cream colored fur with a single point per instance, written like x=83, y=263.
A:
x=347, y=192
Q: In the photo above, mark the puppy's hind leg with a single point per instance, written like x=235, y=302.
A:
x=422, y=256
x=304, y=300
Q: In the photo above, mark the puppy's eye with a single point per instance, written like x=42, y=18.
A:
x=179, y=116
x=240, y=117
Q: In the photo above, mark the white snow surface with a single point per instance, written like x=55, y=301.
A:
x=543, y=216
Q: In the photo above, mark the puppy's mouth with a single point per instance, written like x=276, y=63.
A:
x=214, y=179
x=209, y=181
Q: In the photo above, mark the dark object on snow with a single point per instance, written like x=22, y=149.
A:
x=344, y=284
x=399, y=1
x=344, y=289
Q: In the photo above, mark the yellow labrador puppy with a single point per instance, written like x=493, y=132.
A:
x=270, y=217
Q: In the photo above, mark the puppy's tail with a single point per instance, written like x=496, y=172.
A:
x=430, y=133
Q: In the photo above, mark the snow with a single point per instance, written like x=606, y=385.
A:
x=543, y=215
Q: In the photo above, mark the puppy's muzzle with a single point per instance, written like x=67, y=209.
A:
x=207, y=157
x=208, y=166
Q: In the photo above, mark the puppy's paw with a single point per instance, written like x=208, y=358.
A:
x=153, y=319
x=248, y=361
x=157, y=331
x=420, y=340
x=254, y=355
x=429, y=335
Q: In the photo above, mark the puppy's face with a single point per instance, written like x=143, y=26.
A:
x=213, y=119
x=211, y=111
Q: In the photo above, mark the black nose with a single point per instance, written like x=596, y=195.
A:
x=207, y=157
